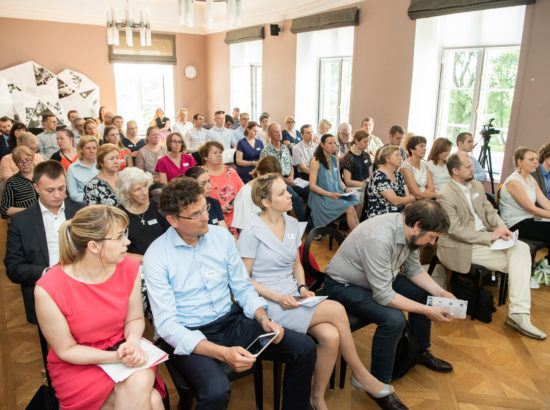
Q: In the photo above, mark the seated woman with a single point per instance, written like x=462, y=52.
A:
x=248, y=151
x=269, y=249
x=176, y=162
x=17, y=129
x=225, y=181
x=131, y=140
x=437, y=161
x=262, y=134
x=7, y=164
x=415, y=171
x=19, y=192
x=326, y=199
x=83, y=169
x=520, y=194
x=90, y=128
x=148, y=156
x=145, y=222
x=322, y=129
x=542, y=174
x=89, y=309
x=291, y=135
x=215, y=213
x=112, y=136
x=244, y=207
x=161, y=122
x=387, y=191
x=67, y=153
x=101, y=188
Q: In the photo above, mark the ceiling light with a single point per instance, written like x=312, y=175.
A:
x=142, y=25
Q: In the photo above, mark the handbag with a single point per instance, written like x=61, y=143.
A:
x=485, y=304
x=43, y=399
x=406, y=354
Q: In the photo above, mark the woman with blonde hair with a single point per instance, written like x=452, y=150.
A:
x=101, y=188
x=148, y=156
x=90, y=128
x=83, y=169
x=89, y=309
x=161, y=122
x=291, y=135
x=7, y=164
x=131, y=140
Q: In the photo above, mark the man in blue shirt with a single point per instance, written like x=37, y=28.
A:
x=465, y=143
x=221, y=134
x=191, y=272
x=239, y=131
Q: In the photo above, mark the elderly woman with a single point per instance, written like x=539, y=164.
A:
x=131, y=140
x=146, y=223
x=176, y=162
x=415, y=171
x=111, y=135
x=19, y=192
x=7, y=164
x=225, y=181
x=248, y=151
x=67, y=153
x=291, y=136
x=215, y=213
x=437, y=160
x=17, y=129
x=101, y=188
x=83, y=169
x=387, y=191
x=148, y=156
x=90, y=128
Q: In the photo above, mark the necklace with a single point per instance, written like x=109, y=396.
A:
x=142, y=218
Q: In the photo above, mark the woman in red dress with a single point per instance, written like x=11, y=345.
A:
x=89, y=309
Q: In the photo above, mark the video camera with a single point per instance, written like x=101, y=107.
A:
x=487, y=131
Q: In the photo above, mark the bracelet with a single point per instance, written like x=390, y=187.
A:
x=302, y=286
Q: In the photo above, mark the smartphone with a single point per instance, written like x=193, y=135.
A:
x=261, y=342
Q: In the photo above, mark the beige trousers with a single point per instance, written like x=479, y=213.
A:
x=516, y=261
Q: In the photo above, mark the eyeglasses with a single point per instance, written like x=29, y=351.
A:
x=196, y=215
x=121, y=238
x=24, y=161
x=176, y=142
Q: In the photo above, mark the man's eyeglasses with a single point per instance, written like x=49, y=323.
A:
x=121, y=238
x=195, y=215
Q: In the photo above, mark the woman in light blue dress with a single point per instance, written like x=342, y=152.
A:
x=326, y=196
x=269, y=246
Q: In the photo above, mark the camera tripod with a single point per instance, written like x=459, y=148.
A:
x=485, y=160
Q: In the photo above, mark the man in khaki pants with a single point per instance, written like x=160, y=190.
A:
x=475, y=224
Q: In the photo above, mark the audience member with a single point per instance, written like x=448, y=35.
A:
x=415, y=171
x=215, y=213
x=101, y=115
x=19, y=191
x=326, y=199
x=374, y=142
x=176, y=161
x=437, y=160
x=245, y=209
x=131, y=139
x=229, y=122
x=282, y=153
x=248, y=151
x=199, y=319
x=303, y=152
x=118, y=122
x=182, y=126
x=395, y=137
x=17, y=129
x=219, y=133
x=78, y=129
x=161, y=122
x=406, y=139
x=7, y=164
x=112, y=136
x=82, y=329
x=262, y=134
x=145, y=222
x=148, y=156
x=475, y=224
x=83, y=169
x=107, y=121
x=196, y=136
x=235, y=117
x=542, y=174
x=387, y=190
x=343, y=144
x=6, y=124
x=239, y=131
x=465, y=143
x=518, y=198
x=33, y=235
x=291, y=136
x=47, y=140
x=71, y=116
x=356, y=162
x=90, y=128
x=269, y=249
x=225, y=181
x=102, y=188
x=376, y=275
x=67, y=153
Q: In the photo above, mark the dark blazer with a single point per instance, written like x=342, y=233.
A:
x=27, y=250
x=540, y=180
x=4, y=147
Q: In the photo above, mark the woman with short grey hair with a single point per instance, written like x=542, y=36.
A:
x=146, y=223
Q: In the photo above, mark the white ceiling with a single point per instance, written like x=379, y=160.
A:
x=164, y=13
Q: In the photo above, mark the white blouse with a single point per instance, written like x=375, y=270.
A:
x=440, y=175
x=420, y=175
x=510, y=211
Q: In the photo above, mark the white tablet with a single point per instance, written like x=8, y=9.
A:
x=261, y=342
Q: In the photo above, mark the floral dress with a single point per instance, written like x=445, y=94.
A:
x=377, y=204
x=225, y=188
x=98, y=191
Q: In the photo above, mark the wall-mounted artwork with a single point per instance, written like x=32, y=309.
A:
x=28, y=91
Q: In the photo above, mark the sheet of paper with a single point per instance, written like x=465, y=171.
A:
x=456, y=306
x=312, y=301
x=302, y=183
x=348, y=194
x=227, y=155
x=500, y=244
x=119, y=372
x=542, y=220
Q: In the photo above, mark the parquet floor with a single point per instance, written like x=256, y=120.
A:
x=495, y=367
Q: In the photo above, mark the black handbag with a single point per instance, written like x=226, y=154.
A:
x=44, y=399
x=406, y=354
x=485, y=303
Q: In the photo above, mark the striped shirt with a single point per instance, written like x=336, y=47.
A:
x=19, y=193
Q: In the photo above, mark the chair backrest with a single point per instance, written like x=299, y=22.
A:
x=319, y=276
x=365, y=209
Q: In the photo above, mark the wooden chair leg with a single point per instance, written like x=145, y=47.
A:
x=343, y=368
x=258, y=386
x=477, y=280
x=332, y=379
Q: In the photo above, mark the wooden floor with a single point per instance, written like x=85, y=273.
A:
x=495, y=367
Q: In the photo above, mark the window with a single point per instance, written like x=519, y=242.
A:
x=246, y=77
x=141, y=89
x=334, y=89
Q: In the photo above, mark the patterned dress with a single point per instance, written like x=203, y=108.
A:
x=98, y=191
x=225, y=188
x=377, y=204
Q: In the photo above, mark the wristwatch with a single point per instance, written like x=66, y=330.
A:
x=261, y=318
x=302, y=286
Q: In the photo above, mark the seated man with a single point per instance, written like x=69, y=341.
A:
x=47, y=140
x=395, y=137
x=191, y=272
x=374, y=142
x=303, y=152
x=474, y=225
x=465, y=143
x=376, y=274
x=33, y=239
x=221, y=134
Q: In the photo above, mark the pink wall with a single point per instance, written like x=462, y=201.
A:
x=218, y=87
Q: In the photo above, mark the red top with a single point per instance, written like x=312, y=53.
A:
x=167, y=166
x=95, y=314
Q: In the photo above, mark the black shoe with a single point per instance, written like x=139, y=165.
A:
x=433, y=363
x=389, y=402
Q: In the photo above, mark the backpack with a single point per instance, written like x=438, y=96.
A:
x=485, y=303
x=406, y=354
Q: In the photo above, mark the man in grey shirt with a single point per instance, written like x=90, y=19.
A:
x=376, y=274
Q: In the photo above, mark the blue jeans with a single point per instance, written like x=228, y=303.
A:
x=391, y=322
x=297, y=204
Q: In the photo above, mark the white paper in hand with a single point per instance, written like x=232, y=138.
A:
x=500, y=244
x=302, y=183
x=311, y=301
x=457, y=307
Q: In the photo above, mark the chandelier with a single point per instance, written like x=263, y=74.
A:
x=129, y=26
x=187, y=15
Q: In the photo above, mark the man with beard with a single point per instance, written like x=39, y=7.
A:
x=376, y=274
x=474, y=225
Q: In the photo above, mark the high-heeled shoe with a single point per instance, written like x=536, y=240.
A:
x=385, y=398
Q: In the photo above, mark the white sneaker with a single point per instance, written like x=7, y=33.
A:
x=521, y=322
x=534, y=283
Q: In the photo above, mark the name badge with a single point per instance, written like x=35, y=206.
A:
x=152, y=222
x=186, y=164
x=366, y=161
x=290, y=236
x=474, y=196
x=210, y=274
x=215, y=221
x=336, y=169
x=258, y=149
